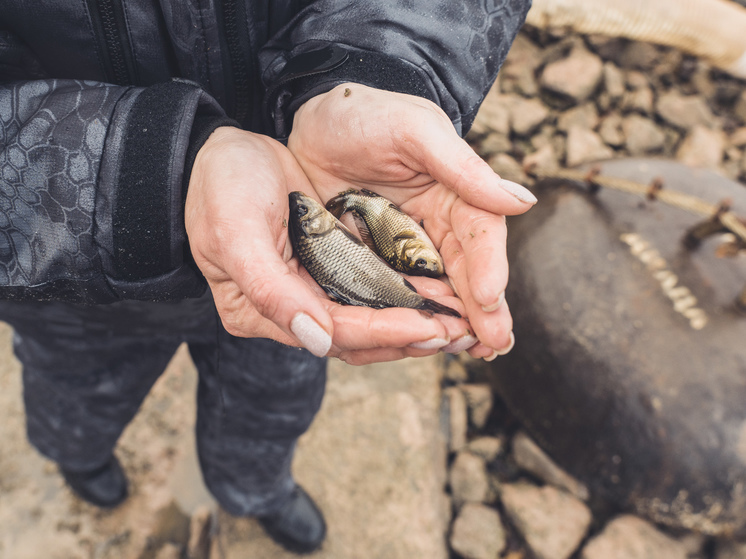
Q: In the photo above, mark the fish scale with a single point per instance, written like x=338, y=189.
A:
x=390, y=232
x=344, y=266
x=354, y=272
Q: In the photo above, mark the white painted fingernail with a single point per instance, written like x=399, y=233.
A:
x=462, y=344
x=313, y=337
x=495, y=306
x=519, y=191
x=433, y=343
x=491, y=357
x=508, y=347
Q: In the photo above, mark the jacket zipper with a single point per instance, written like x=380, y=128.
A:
x=107, y=17
x=238, y=60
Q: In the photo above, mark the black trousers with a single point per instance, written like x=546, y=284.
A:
x=86, y=371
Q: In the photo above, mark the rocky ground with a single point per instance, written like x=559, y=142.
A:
x=414, y=459
x=562, y=100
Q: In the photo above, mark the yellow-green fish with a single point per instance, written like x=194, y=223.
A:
x=396, y=237
x=344, y=266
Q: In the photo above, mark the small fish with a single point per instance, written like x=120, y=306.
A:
x=395, y=236
x=344, y=266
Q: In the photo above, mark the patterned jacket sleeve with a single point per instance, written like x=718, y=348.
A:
x=91, y=196
x=444, y=50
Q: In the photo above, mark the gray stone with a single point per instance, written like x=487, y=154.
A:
x=702, y=147
x=544, y=159
x=478, y=533
x=517, y=73
x=694, y=544
x=611, y=130
x=642, y=135
x=530, y=457
x=614, y=83
x=604, y=102
x=559, y=145
x=468, y=479
x=583, y=116
x=495, y=142
x=733, y=154
x=493, y=115
x=169, y=551
x=456, y=416
x=544, y=136
x=552, y=522
x=637, y=80
x=584, y=146
x=488, y=448
x=630, y=537
x=168, y=523
x=479, y=399
x=684, y=111
x=738, y=137
x=526, y=115
x=198, y=546
x=456, y=371
x=508, y=168
x=639, y=100
x=702, y=81
x=673, y=137
x=731, y=168
x=740, y=107
x=577, y=76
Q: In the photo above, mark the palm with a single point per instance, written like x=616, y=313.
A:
x=405, y=149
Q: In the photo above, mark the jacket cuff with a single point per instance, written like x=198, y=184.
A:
x=314, y=72
x=149, y=255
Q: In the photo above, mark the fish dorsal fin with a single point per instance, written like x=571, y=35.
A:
x=371, y=194
x=349, y=234
x=338, y=205
x=364, y=231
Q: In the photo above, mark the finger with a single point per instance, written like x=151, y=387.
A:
x=481, y=351
x=482, y=236
x=433, y=144
x=458, y=330
x=368, y=356
x=360, y=328
x=281, y=296
x=430, y=287
x=491, y=328
x=239, y=318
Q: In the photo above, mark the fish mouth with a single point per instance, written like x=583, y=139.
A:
x=297, y=207
x=435, y=271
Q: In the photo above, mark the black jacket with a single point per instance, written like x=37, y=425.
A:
x=104, y=103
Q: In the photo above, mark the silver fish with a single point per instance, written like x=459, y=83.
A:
x=394, y=235
x=344, y=266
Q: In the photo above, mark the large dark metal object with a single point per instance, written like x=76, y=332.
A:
x=630, y=361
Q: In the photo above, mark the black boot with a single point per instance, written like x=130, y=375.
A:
x=299, y=526
x=105, y=487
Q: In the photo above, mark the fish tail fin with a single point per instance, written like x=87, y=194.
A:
x=339, y=204
x=430, y=306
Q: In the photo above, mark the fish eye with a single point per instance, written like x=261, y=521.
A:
x=420, y=263
x=302, y=210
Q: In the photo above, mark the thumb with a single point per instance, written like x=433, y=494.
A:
x=280, y=295
x=433, y=143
